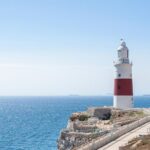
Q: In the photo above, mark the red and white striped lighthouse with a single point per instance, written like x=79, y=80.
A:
x=123, y=88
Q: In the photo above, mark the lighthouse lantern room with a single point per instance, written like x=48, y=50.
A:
x=123, y=89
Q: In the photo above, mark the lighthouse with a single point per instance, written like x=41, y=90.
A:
x=123, y=88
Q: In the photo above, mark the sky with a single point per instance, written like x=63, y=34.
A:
x=67, y=47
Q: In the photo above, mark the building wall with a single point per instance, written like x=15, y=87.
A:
x=123, y=101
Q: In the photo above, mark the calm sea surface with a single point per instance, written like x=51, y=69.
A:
x=34, y=123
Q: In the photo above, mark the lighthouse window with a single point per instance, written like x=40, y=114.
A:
x=119, y=75
x=125, y=61
x=119, y=54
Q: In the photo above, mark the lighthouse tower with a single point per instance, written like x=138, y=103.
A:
x=123, y=90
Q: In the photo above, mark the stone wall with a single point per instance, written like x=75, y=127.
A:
x=69, y=140
x=100, y=112
x=95, y=144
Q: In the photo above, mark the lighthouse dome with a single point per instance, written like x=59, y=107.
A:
x=122, y=46
x=123, y=52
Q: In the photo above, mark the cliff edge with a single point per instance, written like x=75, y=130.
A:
x=94, y=123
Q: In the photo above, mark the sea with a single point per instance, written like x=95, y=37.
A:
x=34, y=123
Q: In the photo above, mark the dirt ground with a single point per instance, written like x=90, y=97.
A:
x=140, y=143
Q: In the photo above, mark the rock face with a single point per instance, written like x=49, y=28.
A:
x=69, y=140
x=95, y=122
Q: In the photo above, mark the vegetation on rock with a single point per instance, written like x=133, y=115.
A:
x=79, y=116
x=140, y=143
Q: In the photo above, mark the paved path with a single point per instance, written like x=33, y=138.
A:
x=144, y=129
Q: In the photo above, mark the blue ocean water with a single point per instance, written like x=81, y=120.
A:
x=34, y=123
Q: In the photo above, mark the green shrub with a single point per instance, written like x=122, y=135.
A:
x=83, y=117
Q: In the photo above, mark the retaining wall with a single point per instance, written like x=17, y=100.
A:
x=98, y=143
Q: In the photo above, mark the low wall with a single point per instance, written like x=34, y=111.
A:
x=98, y=143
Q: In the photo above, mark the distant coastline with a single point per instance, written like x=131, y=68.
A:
x=146, y=95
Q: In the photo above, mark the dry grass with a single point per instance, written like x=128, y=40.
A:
x=140, y=143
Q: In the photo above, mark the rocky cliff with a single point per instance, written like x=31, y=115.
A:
x=96, y=122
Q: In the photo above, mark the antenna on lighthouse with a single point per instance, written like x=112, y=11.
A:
x=123, y=43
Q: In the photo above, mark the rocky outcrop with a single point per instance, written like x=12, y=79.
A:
x=100, y=113
x=96, y=122
x=69, y=140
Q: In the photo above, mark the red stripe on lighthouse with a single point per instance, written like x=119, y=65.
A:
x=123, y=87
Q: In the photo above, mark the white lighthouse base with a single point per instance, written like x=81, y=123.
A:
x=123, y=102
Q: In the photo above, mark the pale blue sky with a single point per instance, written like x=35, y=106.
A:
x=62, y=47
